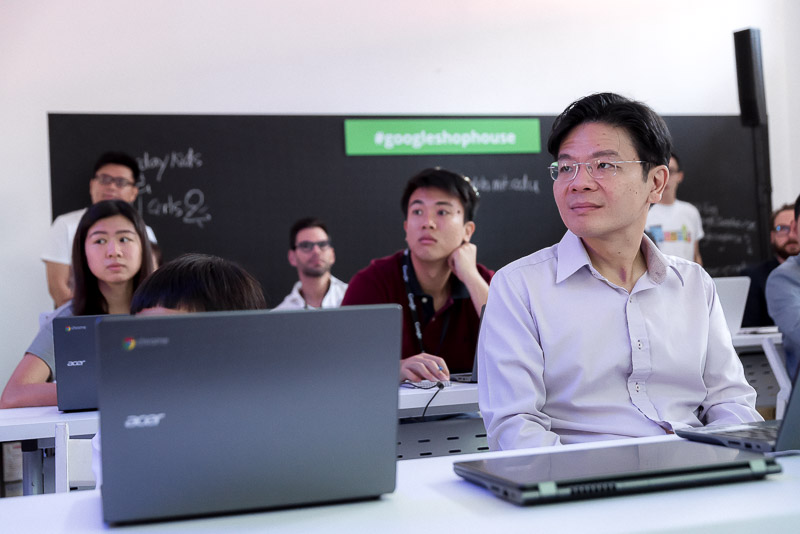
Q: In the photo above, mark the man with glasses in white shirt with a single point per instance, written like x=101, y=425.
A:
x=602, y=336
x=312, y=254
x=115, y=175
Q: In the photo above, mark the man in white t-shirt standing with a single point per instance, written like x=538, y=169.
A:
x=673, y=224
x=114, y=177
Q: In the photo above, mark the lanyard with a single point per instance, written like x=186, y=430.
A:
x=412, y=306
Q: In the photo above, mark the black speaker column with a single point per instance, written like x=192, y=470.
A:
x=753, y=106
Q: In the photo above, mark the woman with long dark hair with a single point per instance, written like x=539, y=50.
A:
x=111, y=256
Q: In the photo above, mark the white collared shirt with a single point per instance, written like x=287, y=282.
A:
x=332, y=299
x=566, y=356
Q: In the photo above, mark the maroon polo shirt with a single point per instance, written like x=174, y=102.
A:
x=381, y=282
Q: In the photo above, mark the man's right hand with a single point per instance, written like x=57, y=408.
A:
x=423, y=366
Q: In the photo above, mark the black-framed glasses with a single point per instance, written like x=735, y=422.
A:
x=118, y=181
x=308, y=246
x=782, y=229
x=599, y=169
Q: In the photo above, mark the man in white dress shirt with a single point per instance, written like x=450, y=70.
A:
x=602, y=336
x=312, y=254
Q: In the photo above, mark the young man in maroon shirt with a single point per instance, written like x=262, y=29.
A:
x=436, y=279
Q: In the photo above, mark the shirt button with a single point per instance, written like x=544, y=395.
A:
x=424, y=300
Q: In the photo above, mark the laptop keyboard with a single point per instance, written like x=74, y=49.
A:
x=767, y=430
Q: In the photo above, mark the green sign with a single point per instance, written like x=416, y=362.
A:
x=403, y=137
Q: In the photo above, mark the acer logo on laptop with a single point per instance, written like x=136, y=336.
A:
x=144, y=421
x=75, y=363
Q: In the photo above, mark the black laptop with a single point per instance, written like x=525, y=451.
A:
x=76, y=363
x=616, y=470
x=767, y=436
x=471, y=378
x=222, y=412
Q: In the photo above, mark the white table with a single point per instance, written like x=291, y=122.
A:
x=459, y=397
x=37, y=425
x=768, y=339
x=430, y=496
x=17, y=424
x=36, y=428
x=755, y=337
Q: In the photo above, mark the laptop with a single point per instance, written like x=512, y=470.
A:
x=766, y=436
x=222, y=412
x=579, y=474
x=76, y=362
x=732, y=293
x=471, y=378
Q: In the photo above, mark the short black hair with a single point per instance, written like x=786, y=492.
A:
x=649, y=134
x=450, y=182
x=674, y=156
x=302, y=224
x=118, y=158
x=197, y=283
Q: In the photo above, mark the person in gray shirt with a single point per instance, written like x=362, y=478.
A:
x=111, y=255
x=783, y=300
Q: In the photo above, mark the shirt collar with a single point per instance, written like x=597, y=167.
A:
x=457, y=288
x=572, y=256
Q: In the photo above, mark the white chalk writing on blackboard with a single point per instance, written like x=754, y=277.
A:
x=190, y=208
x=723, y=231
x=503, y=183
x=184, y=160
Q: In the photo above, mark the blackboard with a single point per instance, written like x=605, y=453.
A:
x=233, y=185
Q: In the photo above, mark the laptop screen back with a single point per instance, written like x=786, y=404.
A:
x=732, y=292
x=218, y=412
x=76, y=362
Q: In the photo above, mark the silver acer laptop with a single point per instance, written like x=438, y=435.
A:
x=579, y=474
x=76, y=364
x=767, y=436
x=732, y=292
x=221, y=412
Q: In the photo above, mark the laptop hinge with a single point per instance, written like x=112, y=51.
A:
x=758, y=466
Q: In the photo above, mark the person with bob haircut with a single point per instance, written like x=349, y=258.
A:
x=437, y=279
x=111, y=255
x=197, y=283
x=190, y=283
x=602, y=336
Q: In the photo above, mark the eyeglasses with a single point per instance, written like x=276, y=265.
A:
x=308, y=246
x=782, y=229
x=119, y=182
x=566, y=171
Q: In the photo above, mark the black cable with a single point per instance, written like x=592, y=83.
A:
x=439, y=387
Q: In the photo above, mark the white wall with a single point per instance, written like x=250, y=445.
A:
x=354, y=56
